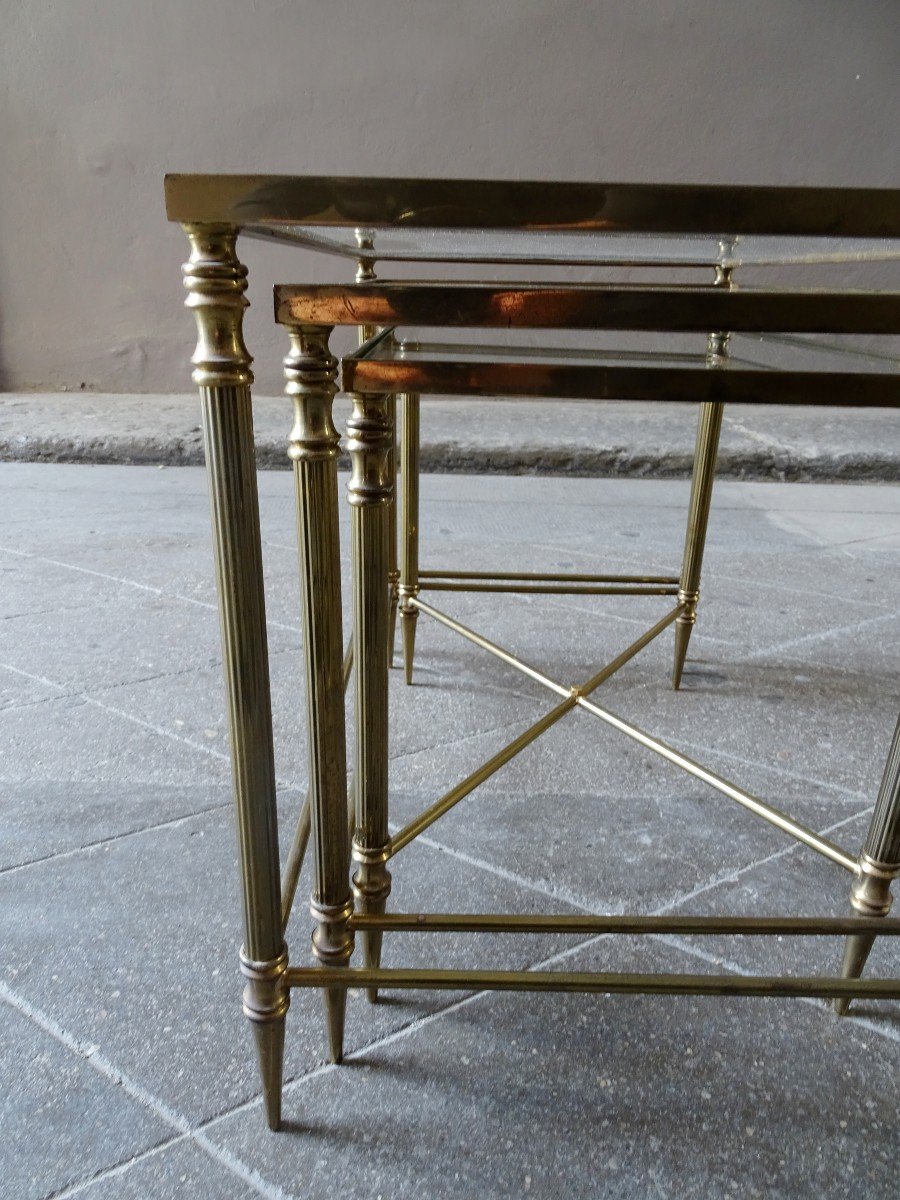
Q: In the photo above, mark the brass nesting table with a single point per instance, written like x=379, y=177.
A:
x=579, y=226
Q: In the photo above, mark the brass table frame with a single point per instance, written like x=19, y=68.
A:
x=213, y=210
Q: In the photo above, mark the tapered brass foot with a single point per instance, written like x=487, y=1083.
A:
x=265, y=1004
x=856, y=951
x=371, y=948
x=333, y=944
x=870, y=897
x=684, y=627
x=408, y=618
x=371, y=888
x=269, y=1038
x=335, y=1012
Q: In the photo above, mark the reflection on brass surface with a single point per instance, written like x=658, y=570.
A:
x=216, y=282
x=357, y=201
x=684, y=385
x=370, y=441
x=290, y=874
x=310, y=370
x=408, y=585
x=675, y=309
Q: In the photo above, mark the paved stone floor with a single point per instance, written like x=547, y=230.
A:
x=126, y=1066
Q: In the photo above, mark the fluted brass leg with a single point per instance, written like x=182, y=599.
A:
x=310, y=373
x=879, y=865
x=216, y=282
x=409, y=529
x=393, y=571
x=709, y=425
x=370, y=435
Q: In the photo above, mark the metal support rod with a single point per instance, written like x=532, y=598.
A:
x=552, y=589
x=314, y=446
x=216, y=281
x=485, y=644
x=609, y=983
x=637, y=925
x=709, y=427
x=290, y=875
x=773, y=815
x=365, y=273
x=393, y=568
x=548, y=576
x=572, y=697
x=408, y=586
x=471, y=782
x=370, y=435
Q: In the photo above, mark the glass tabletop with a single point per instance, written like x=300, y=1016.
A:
x=767, y=352
x=555, y=248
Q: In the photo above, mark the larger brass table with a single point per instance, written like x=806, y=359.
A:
x=812, y=226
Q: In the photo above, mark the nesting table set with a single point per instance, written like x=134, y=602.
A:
x=487, y=339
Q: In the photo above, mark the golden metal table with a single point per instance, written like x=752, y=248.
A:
x=803, y=226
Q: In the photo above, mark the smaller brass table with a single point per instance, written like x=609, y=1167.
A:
x=346, y=907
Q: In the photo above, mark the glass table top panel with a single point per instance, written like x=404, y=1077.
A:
x=769, y=352
x=553, y=248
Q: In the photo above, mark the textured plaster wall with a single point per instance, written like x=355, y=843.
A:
x=102, y=97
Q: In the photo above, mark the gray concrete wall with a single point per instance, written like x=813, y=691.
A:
x=104, y=96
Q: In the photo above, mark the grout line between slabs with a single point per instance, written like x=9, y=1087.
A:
x=171, y=823
x=120, y=1168
x=133, y=583
x=91, y=1054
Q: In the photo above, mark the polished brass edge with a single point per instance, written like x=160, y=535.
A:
x=216, y=282
x=265, y=996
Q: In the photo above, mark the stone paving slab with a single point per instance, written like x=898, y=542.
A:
x=609, y=438
x=118, y=881
x=608, y=1097
x=62, y=1120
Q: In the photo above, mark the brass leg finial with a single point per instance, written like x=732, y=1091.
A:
x=216, y=282
x=310, y=371
x=879, y=866
x=409, y=529
x=370, y=436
